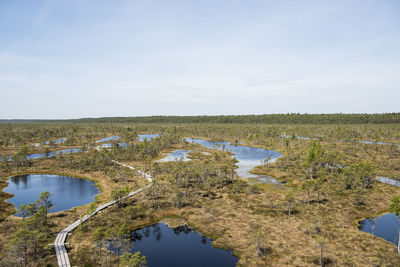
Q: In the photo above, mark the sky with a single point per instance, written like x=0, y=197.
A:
x=65, y=59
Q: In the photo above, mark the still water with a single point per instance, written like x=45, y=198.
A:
x=106, y=139
x=181, y=246
x=386, y=226
x=248, y=157
x=179, y=154
x=147, y=137
x=67, y=192
x=48, y=155
x=58, y=141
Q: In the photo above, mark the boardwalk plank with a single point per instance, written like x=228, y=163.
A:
x=59, y=242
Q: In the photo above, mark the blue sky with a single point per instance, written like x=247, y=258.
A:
x=72, y=59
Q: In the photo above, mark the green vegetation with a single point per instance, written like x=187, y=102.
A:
x=30, y=236
x=290, y=118
x=311, y=221
x=133, y=260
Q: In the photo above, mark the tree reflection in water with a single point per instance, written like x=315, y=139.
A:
x=182, y=229
x=171, y=247
x=157, y=232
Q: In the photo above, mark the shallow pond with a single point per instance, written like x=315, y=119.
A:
x=58, y=141
x=67, y=192
x=248, y=157
x=74, y=150
x=109, y=145
x=301, y=137
x=110, y=138
x=181, y=246
x=179, y=154
x=147, y=137
x=366, y=142
x=386, y=226
x=388, y=180
x=48, y=155
x=52, y=154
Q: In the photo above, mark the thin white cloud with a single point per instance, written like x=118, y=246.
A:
x=210, y=57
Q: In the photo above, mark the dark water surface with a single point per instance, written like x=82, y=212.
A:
x=68, y=192
x=386, y=226
x=181, y=246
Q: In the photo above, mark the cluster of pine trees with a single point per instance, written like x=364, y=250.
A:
x=290, y=118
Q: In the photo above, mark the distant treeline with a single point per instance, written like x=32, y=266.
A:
x=292, y=118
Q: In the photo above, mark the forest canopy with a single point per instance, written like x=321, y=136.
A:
x=290, y=118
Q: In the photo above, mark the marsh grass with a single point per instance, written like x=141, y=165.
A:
x=233, y=220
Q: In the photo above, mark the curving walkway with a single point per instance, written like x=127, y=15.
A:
x=59, y=243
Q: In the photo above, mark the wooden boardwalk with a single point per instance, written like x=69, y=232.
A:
x=59, y=243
